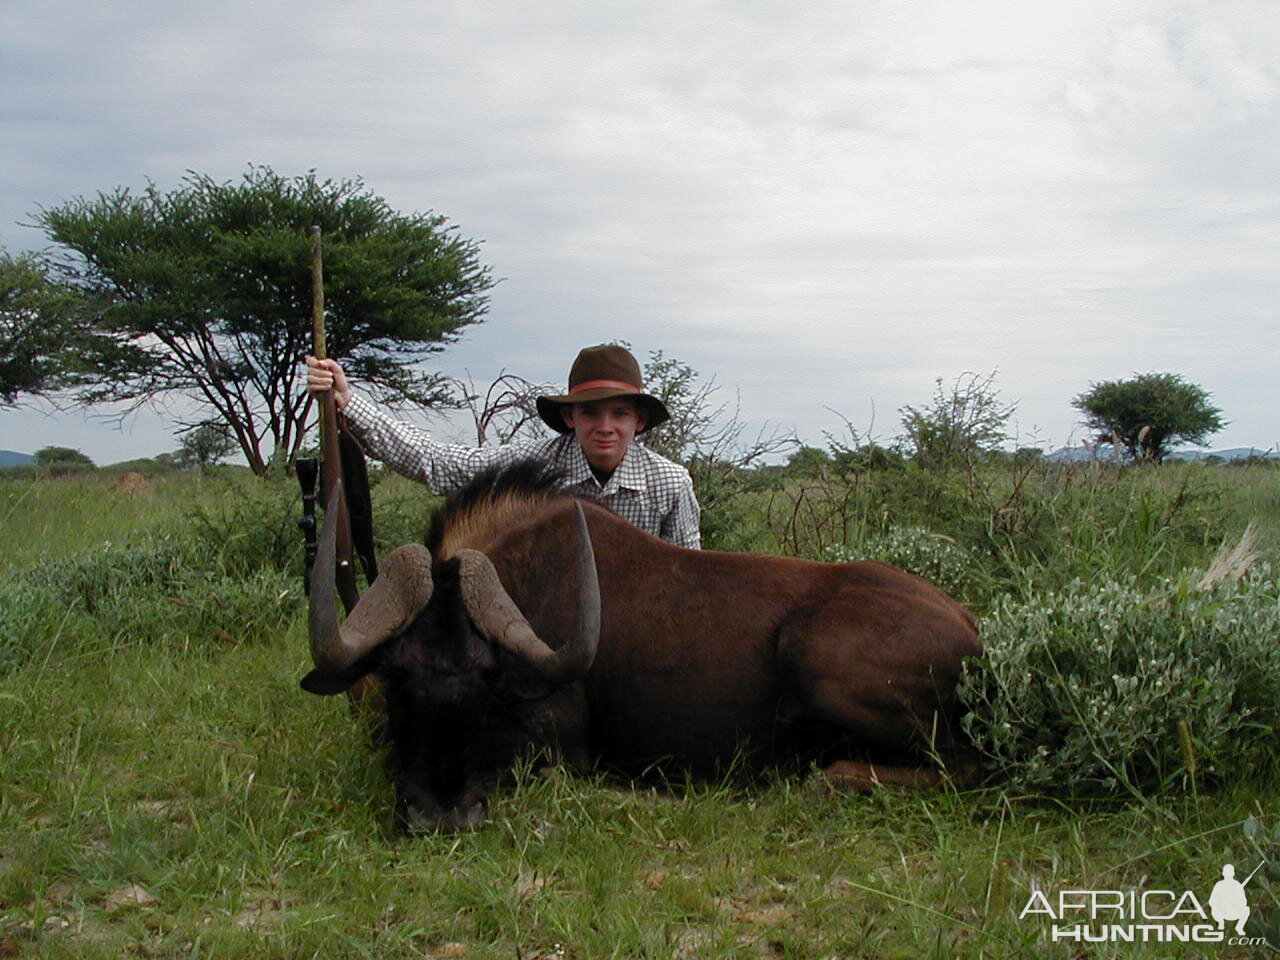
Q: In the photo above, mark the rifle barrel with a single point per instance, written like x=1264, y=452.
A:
x=318, y=345
x=330, y=452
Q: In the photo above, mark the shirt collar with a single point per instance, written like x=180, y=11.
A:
x=630, y=474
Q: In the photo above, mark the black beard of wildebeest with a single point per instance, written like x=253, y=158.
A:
x=439, y=706
x=458, y=714
x=495, y=640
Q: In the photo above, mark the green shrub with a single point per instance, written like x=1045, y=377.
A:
x=204, y=610
x=166, y=591
x=251, y=524
x=1107, y=685
x=87, y=579
x=934, y=556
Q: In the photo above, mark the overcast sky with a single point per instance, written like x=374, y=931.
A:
x=826, y=206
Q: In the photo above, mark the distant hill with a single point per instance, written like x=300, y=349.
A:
x=1107, y=454
x=1235, y=453
x=1081, y=455
x=11, y=458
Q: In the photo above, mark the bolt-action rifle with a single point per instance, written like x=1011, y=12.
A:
x=341, y=470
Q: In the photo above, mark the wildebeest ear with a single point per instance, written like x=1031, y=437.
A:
x=326, y=683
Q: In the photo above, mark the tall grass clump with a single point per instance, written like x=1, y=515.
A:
x=1090, y=520
x=164, y=592
x=245, y=524
x=1021, y=528
x=1111, y=685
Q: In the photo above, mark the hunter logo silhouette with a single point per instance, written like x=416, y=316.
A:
x=1227, y=903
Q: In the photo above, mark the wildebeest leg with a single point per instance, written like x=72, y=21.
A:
x=882, y=669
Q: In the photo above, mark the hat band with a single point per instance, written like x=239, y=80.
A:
x=604, y=385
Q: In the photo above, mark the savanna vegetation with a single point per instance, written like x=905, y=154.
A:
x=168, y=791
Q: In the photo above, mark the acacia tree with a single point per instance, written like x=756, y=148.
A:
x=47, y=336
x=61, y=461
x=1149, y=413
x=207, y=295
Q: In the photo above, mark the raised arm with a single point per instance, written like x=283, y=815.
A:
x=399, y=444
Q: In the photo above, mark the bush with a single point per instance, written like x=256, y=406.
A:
x=935, y=557
x=1108, y=686
x=252, y=524
x=209, y=611
x=87, y=580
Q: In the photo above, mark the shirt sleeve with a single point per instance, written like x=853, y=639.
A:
x=408, y=450
x=681, y=525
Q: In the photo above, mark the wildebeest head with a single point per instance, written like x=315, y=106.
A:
x=451, y=648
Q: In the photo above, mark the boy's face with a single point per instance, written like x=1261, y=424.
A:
x=605, y=428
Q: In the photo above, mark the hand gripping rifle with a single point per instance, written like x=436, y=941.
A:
x=341, y=460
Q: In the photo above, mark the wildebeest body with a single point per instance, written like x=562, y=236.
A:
x=705, y=654
x=701, y=659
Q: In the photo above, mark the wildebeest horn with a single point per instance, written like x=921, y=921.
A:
x=401, y=591
x=496, y=615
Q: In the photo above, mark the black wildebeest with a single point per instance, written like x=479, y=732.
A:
x=532, y=619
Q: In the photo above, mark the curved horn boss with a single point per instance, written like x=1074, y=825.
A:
x=497, y=617
x=400, y=593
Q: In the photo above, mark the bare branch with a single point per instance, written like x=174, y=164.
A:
x=507, y=408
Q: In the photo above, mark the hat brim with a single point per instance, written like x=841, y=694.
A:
x=549, y=407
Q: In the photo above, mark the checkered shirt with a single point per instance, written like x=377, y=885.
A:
x=646, y=489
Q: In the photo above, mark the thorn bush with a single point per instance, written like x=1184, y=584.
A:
x=1107, y=685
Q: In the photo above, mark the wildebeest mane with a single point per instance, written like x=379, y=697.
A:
x=492, y=499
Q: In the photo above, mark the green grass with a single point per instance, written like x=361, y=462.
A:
x=61, y=517
x=255, y=819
